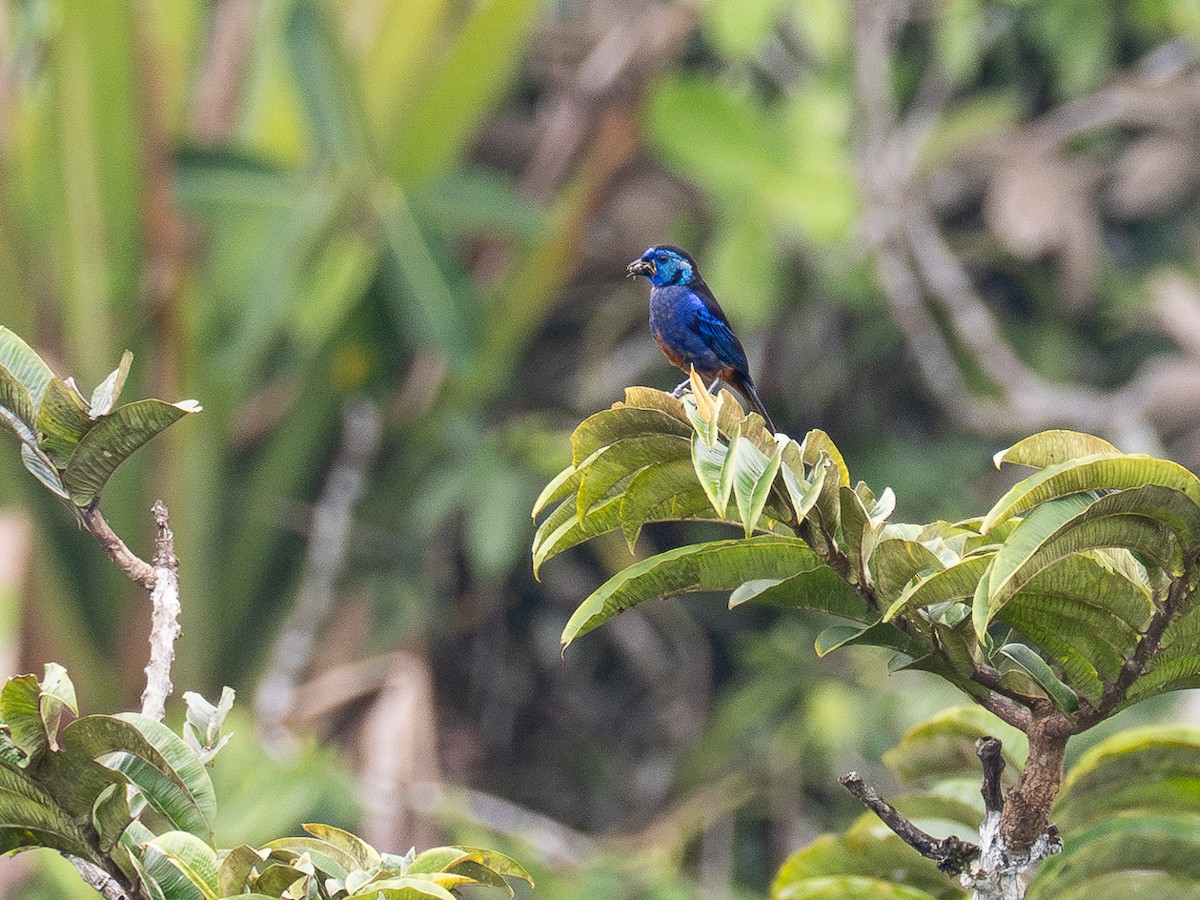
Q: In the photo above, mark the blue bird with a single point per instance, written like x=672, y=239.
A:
x=690, y=325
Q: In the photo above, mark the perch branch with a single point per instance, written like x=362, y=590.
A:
x=988, y=749
x=952, y=854
x=103, y=883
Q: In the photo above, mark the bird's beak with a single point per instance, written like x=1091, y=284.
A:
x=640, y=267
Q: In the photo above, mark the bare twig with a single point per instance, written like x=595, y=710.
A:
x=134, y=567
x=328, y=546
x=951, y=854
x=164, y=618
x=989, y=750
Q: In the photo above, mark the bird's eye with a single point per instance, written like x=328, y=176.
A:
x=660, y=256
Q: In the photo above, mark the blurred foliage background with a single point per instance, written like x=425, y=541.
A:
x=382, y=241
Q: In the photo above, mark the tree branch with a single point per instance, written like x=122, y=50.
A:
x=952, y=854
x=134, y=567
x=164, y=618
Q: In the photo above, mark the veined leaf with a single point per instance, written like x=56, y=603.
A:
x=895, y=563
x=403, y=888
x=753, y=474
x=661, y=492
x=608, y=467
x=880, y=634
x=713, y=566
x=1050, y=448
x=818, y=588
x=62, y=421
x=1149, y=769
x=20, y=709
x=1100, y=472
x=194, y=858
x=619, y=423
x=1026, y=660
x=563, y=529
x=713, y=469
x=817, y=443
x=30, y=817
x=19, y=359
x=238, y=864
x=363, y=853
x=169, y=777
x=958, y=582
x=1065, y=526
x=803, y=494
x=329, y=859
x=637, y=397
x=113, y=439
x=16, y=407
x=1127, y=843
x=41, y=468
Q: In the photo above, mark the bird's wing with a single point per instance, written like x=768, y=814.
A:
x=708, y=321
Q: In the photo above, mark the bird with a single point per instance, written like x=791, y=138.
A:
x=690, y=326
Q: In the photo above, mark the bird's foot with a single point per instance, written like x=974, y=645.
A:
x=682, y=388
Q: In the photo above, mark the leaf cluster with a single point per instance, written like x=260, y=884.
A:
x=1073, y=593
x=129, y=796
x=71, y=444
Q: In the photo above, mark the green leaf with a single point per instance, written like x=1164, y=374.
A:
x=41, y=468
x=1100, y=472
x=179, y=765
x=1143, y=771
x=606, y=468
x=403, y=888
x=31, y=817
x=713, y=566
x=16, y=408
x=499, y=862
x=562, y=529
x=753, y=474
x=661, y=492
x=330, y=859
x=1026, y=660
x=896, y=562
x=713, y=469
x=62, y=421
x=619, y=423
x=1070, y=525
x=195, y=859
x=1127, y=843
x=56, y=699
x=114, y=439
x=105, y=396
x=366, y=856
x=958, y=582
x=1050, y=448
x=20, y=708
x=803, y=494
x=880, y=634
x=19, y=360
x=236, y=867
x=818, y=589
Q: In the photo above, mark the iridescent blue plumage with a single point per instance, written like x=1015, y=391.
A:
x=690, y=325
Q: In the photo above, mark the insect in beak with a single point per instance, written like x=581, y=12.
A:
x=640, y=267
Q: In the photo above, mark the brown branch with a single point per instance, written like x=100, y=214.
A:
x=1025, y=819
x=952, y=854
x=109, y=885
x=990, y=755
x=134, y=567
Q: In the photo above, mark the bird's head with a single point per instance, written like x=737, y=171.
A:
x=665, y=264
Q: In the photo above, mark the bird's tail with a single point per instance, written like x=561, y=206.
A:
x=745, y=387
